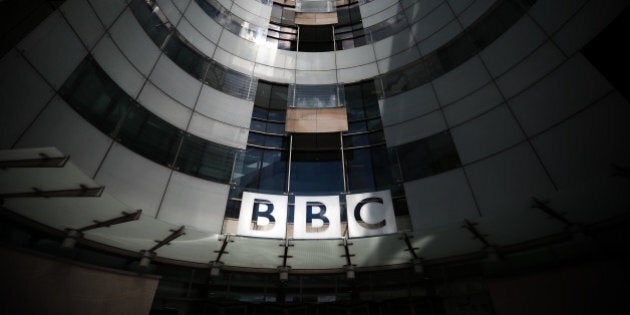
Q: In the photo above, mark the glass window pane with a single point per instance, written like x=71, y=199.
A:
x=150, y=136
x=201, y=158
x=317, y=172
x=95, y=96
x=273, y=173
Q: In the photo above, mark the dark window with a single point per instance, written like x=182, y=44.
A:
x=150, y=136
x=316, y=172
x=95, y=96
x=315, y=38
x=184, y=56
x=429, y=156
x=204, y=159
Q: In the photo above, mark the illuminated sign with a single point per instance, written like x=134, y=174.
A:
x=316, y=217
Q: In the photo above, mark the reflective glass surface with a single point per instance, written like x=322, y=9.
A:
x=95, y=96
x=316, y=96
x=185, y=55
x=318, y=172
x=428, y=156
x=101, y=102
x=150, y=136
x=205, y=159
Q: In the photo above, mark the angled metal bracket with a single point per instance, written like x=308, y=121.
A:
x=412, y=250
x=174, y=234
x=44, y=161
x=84, y=191
x=286, y=244
x=126, y=217
x=226, y=240
x=554, y=214
x=347, y=254
x=471, y=227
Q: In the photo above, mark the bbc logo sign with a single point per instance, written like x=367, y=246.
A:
x=316, y=217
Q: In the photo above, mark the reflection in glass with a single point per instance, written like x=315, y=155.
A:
x=95, y=96
x=316, y=172
x=204, y=159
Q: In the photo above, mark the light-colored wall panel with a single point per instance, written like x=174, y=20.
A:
x=355, y=57
x=315, y=60
x=415, y=10
x=399, y=60
x=218, y=132
x=432, y=23
x=586, y=145
x=223, y=107
x=164, y=106
x=108, y=10
x=508, y=181
x=270, y=55
x=134, y=42
x=54, y=49
x=117, y=67
x=238, y=46
x=233, y=62
x=354, y=74
x=177, y=83
x=393, y=44
x=380, y=16
x=274, y=74
x=249, y=16
x=23, y=94
x=535, y=66
x=461, y=81
x=472, y=105
x=83, y=20
x=194, y=202
x=475, y=11
x=182, y=4
x=440, y=200
x=568, y=89
x=440, y=38
x=515, y=44
x=374, y=7
x=132, y=179
x=414, y=129
x=256, y=7
x=193, y=36
x=62, y=127
x=315, y=77
x=486, y=134
x=405, y=106
x=170, y=10
x=202, y=22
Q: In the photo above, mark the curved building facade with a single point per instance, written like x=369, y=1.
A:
x=307, y=141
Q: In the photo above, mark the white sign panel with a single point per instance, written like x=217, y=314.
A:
x=370, y=214
x=263, y=215
x=317, y=217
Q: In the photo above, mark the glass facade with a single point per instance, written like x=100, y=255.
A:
x=100, y=101
x=185, y=55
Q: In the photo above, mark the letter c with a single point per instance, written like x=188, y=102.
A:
x=357, y=214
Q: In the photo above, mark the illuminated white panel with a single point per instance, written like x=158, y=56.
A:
x=268, y=208
x=324, y=214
